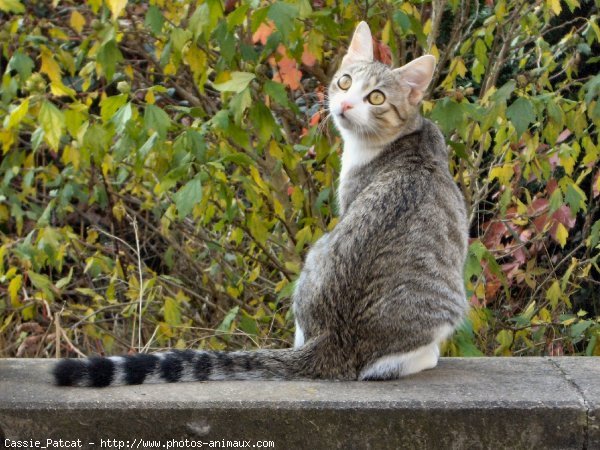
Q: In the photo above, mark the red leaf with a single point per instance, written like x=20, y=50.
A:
x=564, y=216
x=493, y=234
x=308, y=59
x=316, y=117
x=491, y=287
x=563, y=136
x=554, y=160
x=540, y=222
x=263, y=32
x=537, y=206
x=286, y=69
x=230, y=5
x=382, y=52
x=475, y=301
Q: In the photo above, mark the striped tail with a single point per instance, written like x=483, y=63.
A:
x=184, y=365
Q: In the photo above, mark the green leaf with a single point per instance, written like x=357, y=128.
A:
x=283, y=15
x=594, y=234
x=145, y=149
x=248, y=324
x=229, y=317
x=575, y=197
x=154, y=19
x=465, y=340
x=122, y=117
x=155, y=119
x=108, y=58
x=521, y=114
x=505, y=339
x=278, y=93
x=22, y=63
x=580, y=327
x=41, y=282
x=172, y=313
x=402, y=20
x=556, y=201
x=187, y=196
x=238, y=82
x=110, y=105
x=65, y=280
x=503, y=94
x=448, y=114
x=52, y=121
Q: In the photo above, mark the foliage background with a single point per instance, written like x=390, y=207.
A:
x=166, y=165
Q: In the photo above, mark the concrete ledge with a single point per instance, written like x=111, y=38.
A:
x=463, y=403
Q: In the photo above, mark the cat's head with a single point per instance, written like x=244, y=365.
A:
x=371, y=101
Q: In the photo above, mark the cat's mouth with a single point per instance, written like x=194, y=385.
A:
x=344, y=119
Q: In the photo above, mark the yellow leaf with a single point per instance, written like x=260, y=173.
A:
x=427, y=27
x=17, y=114
x=279, y=209
x=435, y=52
x=460, y=68
x=480, y=291
x=427, y=106
x=555, y=6
x=116, y=6
x=503, y=173
x=561, y=234
x=553, y=293
x=4, y=214
x=60, y=90
x=254, y=274
x=385, y=34
x=196, y=59
x=7, y=139
x=129, y=72
x=52, y=121
x=13, y=6
x=545, y=315
x=77, y=21
x=71, y=155
x=257, y=179
x=50, y=67
x=150, y=99
x=500, y=10
x=13, y=289
x=407, y=8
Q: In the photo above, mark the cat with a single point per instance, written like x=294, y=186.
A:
x=380, y=291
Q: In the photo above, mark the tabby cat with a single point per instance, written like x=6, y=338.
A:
x=379, y=292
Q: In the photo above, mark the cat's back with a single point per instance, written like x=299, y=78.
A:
x=416, y=211
x=410, y=176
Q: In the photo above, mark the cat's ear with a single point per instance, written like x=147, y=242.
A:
x=361, y=47
x=417, y=75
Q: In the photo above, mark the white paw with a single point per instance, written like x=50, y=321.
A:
x=298, y=336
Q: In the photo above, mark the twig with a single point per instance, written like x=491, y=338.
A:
x=141, y=280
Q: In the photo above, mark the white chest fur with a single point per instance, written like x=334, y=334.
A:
x=356, y=153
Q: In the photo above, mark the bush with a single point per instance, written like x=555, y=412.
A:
x=166, y=165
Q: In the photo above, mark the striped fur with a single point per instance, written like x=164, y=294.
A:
x=380, y=291
x=179, y=365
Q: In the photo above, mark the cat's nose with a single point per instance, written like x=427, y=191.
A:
x=346, y=106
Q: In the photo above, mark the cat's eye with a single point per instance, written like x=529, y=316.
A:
x=376, y=98
x=345, y=82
